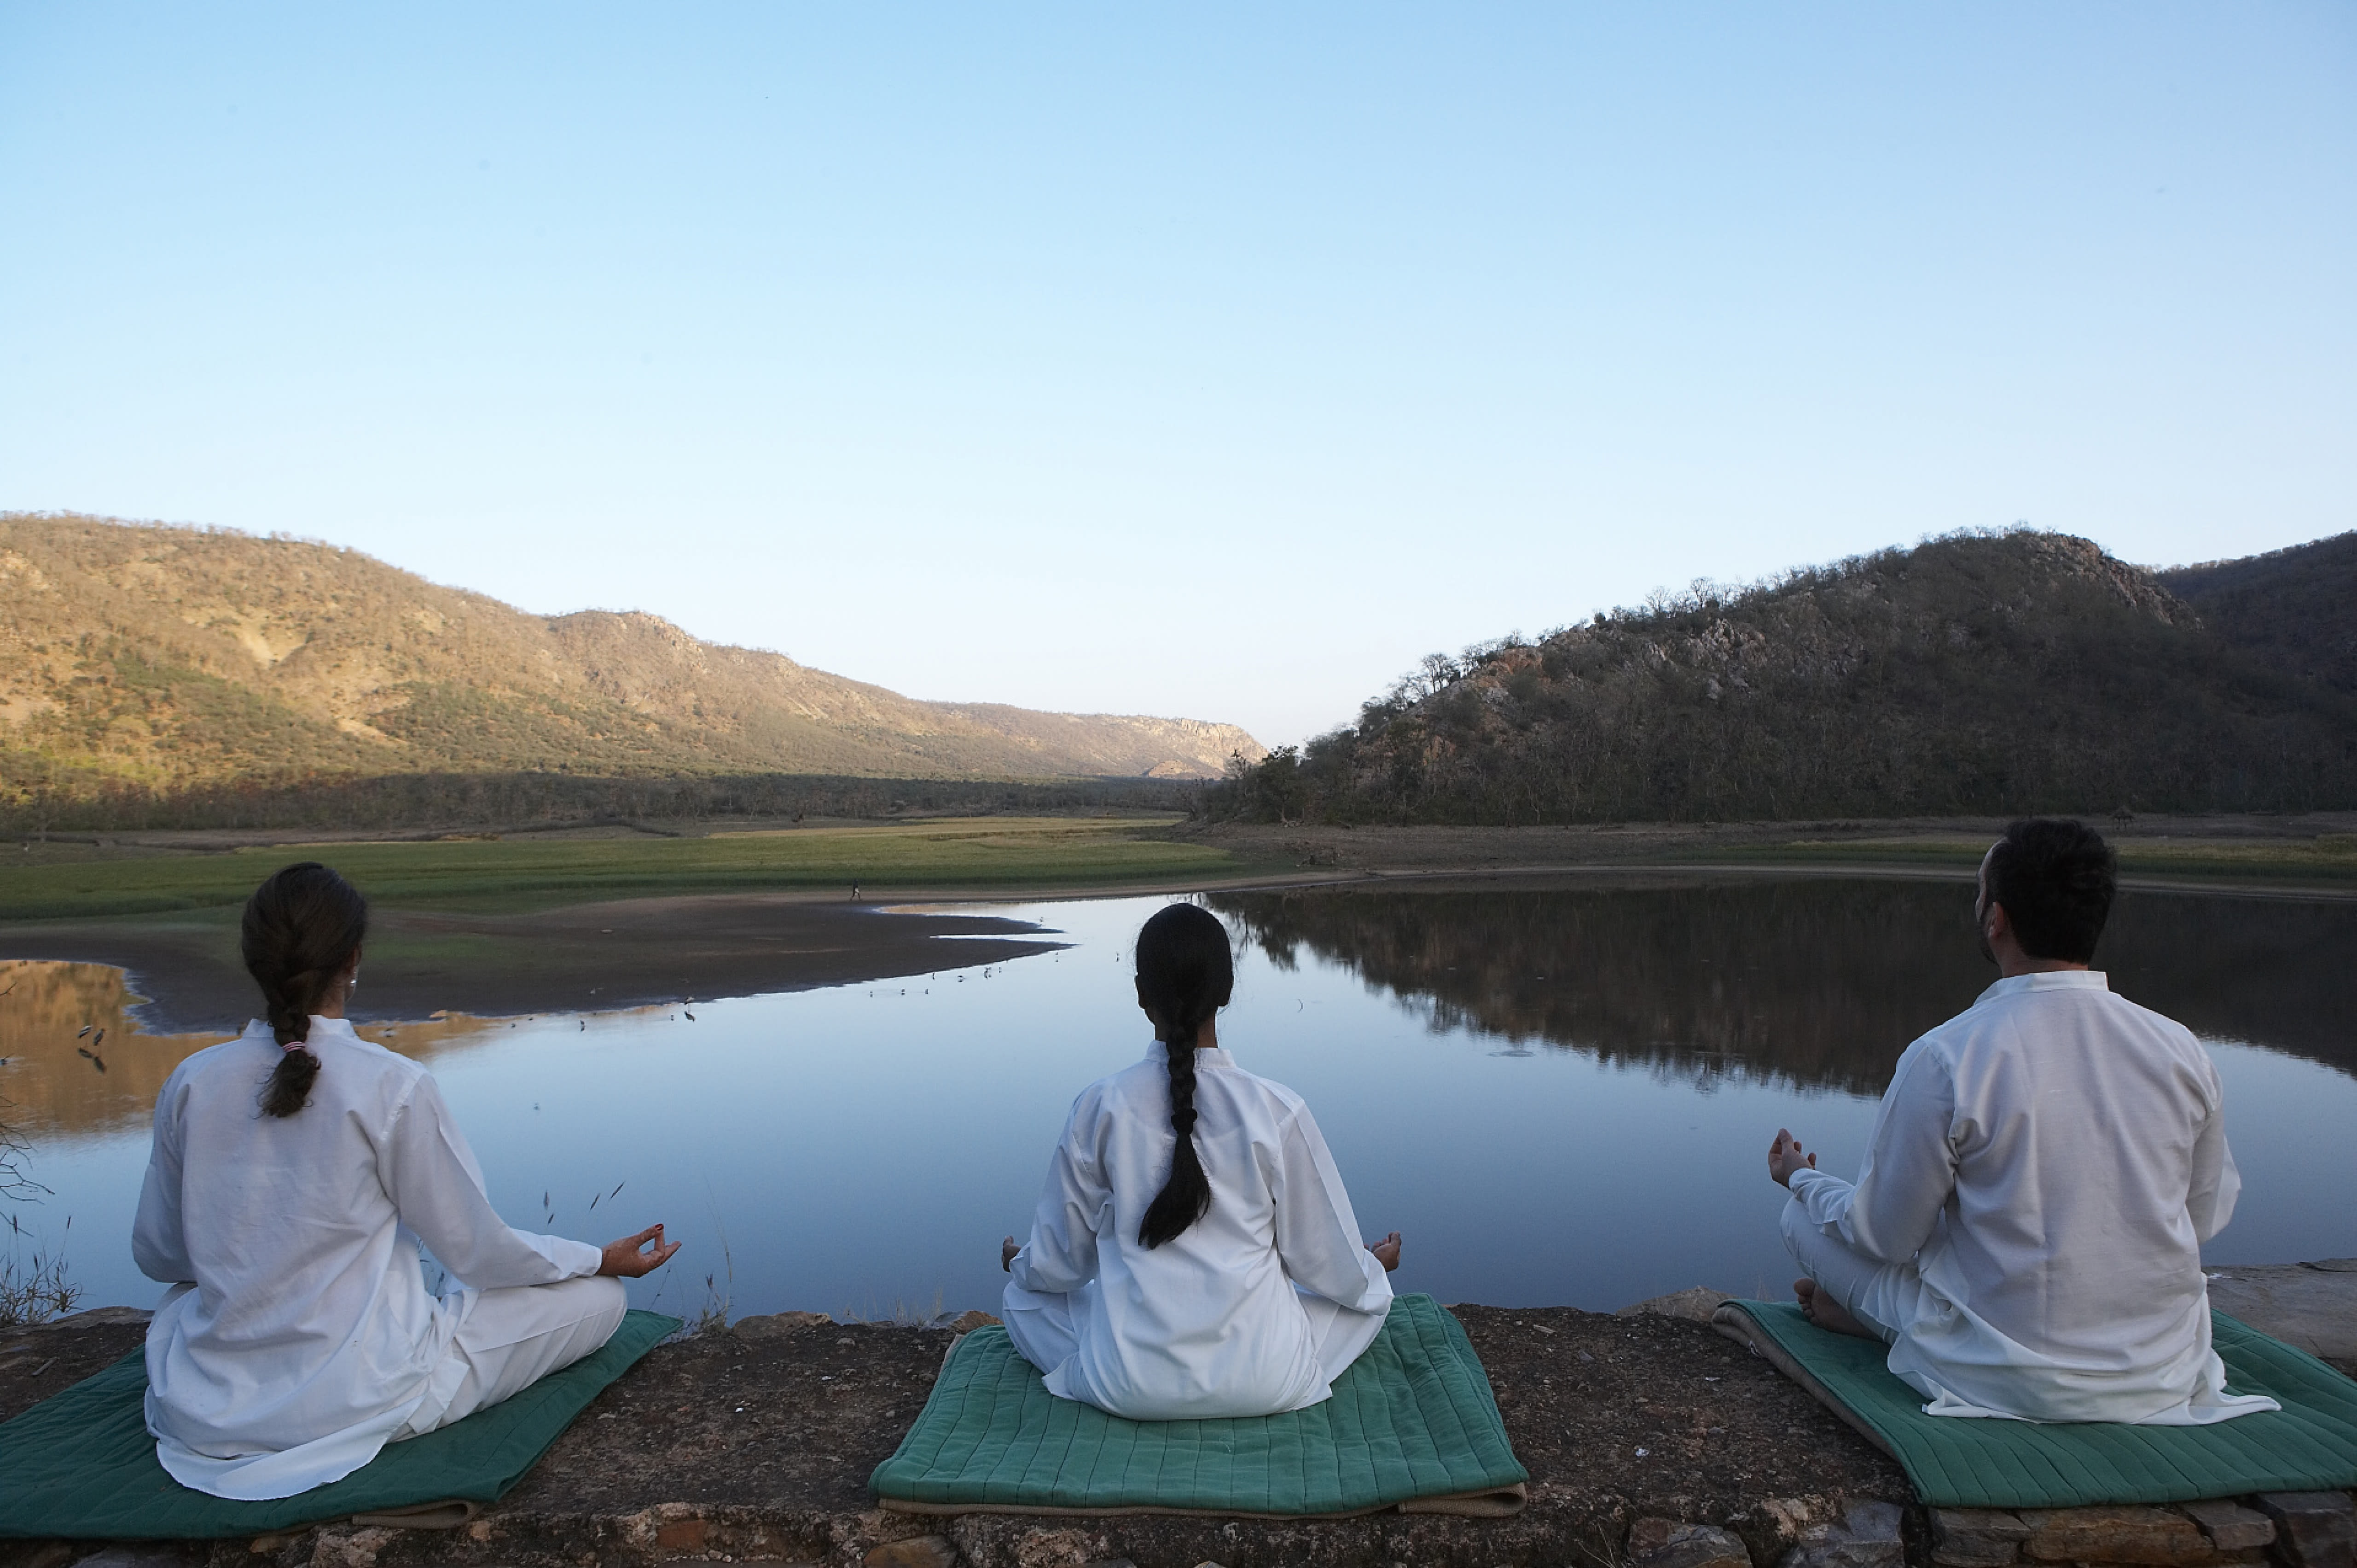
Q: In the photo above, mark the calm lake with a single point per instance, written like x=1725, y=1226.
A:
x=1559, y=1097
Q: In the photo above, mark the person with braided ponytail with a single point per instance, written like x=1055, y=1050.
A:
x=295, y=1172
x=1194, y=1254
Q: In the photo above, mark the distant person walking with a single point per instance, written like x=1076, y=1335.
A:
x=1193, y=1254
x=2026, y=1231
x=295, y=1170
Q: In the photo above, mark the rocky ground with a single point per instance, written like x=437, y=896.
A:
x=1652, y=1442
x=755, y=1444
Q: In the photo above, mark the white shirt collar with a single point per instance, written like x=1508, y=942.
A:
x=260, y=1029
x=1216, y=1056
x=2051, y=980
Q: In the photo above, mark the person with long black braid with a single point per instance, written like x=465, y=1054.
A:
x=1194, y=1254
x=295, y=1171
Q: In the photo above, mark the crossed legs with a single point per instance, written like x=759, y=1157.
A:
x=1844, y=1291
x=1041, y=1326
x=513, y=1337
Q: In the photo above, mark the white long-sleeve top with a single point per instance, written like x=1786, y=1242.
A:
x=1209, y=1323
x=298, y=1335
x=2052, y=1159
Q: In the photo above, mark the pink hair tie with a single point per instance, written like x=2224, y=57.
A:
x=291, y=1046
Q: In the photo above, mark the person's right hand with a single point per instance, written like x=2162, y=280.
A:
x=1784, y=1157
x=623, y=1261
x=1386, y=1252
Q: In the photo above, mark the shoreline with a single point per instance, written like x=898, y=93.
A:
x=616, y=953
x=604, y=957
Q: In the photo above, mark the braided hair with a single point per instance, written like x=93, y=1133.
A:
x=301, y=929
x=1185, y=973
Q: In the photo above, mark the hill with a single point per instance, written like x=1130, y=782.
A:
x=2293, y=611
x=159, y=661
x=1985, y=673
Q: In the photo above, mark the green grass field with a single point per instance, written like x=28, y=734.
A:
x=508, y=875
x=974, y=855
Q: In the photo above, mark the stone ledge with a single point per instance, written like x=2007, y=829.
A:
x=2296, y=1529
x=2313, y=1530
x=2312, y=1306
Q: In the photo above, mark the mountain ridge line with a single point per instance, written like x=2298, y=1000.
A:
x=1974, y=673
x=156, y=659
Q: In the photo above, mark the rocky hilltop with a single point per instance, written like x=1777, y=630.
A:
x=1972, y=674
x=136, y=656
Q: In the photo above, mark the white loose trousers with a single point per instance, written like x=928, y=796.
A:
x=1044, y=1329
x=510, y=1340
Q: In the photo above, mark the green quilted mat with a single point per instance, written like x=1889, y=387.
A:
x=1412, y=1421
x=81, y=1465
x=2310, y=1445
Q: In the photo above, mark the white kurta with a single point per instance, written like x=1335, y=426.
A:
x=1211, y=1322
x=2049, y=1162
x=299, y=1336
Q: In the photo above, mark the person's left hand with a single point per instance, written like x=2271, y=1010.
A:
x=623, y=1261
x=1007, y=1251
x=1784, y=1157
x=1386, y=1252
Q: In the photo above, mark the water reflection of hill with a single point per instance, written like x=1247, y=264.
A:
x=1820, y=982
x=2275, y=972
x=51, y=1013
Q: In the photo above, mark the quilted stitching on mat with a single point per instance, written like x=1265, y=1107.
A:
x=2309, y=1444
x=81, y=1465
x=1413, y=1417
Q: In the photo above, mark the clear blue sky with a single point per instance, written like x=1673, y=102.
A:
x=1176, y=360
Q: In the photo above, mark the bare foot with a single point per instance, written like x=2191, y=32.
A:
x=1820, y=1308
